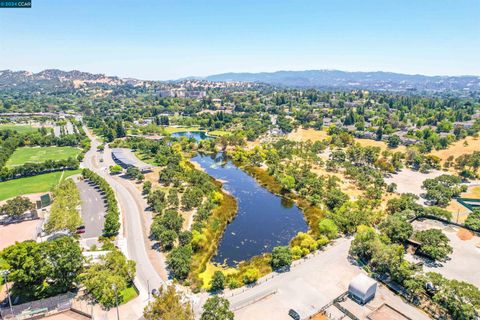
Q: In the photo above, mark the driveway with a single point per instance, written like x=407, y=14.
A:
x=93, y=209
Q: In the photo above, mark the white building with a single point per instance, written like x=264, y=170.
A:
x=362, y=288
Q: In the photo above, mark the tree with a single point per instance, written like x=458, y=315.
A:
x=287, y=182
x=64, y=213
x=328, y=228
x=433, y=244
x=113, y=269
x=281, y=257
x=17, y=206
x=461, y=299
x=167, y=239
x=216, y=308
x=42, y=269
x=179, y=261
x=251, y=275
x=393, y=141
x=396, y=228
x=218, y=281
x=473, y=220
x=115, y=169
x=443, y=188
x=169, y=305
x=147, y=187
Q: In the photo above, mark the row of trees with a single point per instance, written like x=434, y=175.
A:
x=112, y=218
x=32, y=169
x=63, y=212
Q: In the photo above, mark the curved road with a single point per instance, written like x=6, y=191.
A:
x=131, y=235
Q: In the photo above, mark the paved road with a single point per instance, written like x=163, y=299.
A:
x=147, y=276
x=92, y=208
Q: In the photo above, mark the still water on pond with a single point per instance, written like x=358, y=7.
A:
x=197, y=135
x=263, y=220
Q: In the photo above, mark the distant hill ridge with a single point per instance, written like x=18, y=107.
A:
x=344, y=79
x=329, y=79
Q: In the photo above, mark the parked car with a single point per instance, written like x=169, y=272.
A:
x=294, y=314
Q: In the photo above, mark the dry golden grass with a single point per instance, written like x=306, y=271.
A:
x=307, y=134
x=472, y=192
x=381, y=144
x=458, y=148
x=458, y=211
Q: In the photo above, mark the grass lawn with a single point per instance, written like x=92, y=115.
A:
x=218, y=133
x=40, y=154
x=181, y=129
x=18, y=128
x=41, y=183
x=128, y=294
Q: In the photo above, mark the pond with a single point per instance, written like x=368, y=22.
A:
x=263, y=221
x=197, y=135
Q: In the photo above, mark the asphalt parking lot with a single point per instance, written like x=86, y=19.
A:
x=92, y=209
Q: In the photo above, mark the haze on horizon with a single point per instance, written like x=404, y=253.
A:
x=161, y=40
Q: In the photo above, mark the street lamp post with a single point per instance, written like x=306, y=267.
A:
x=116, y=299
x=5, y=274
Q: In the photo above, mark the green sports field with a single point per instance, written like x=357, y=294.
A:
x=41, y=183
x=18, y=128
x=40, y=154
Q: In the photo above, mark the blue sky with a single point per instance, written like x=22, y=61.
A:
x=170, y=39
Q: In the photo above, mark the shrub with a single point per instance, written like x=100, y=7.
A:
x=328, y=228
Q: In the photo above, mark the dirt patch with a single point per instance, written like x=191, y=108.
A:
x=307, y=134
x=382, y=145
x=318, y=316
x=14, y=232
x=464, y=234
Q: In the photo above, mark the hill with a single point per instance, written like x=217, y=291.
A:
x=336, y=79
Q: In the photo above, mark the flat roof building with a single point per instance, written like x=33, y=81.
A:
x=125, y=158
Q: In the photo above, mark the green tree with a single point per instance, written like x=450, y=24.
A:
x=328, y=228
x=179, y=260
x=251, y=275
x=433, y=243
x=168, y=305
x=64, y=213
x=396, y=228
x=217, y=308
x=473, y=220
x=17, y=206
x=218, y=281
x=112, y=271
x=281, y=257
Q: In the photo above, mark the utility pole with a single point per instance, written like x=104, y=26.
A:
x=148, y=288
x=116, y=299
x=5, y=273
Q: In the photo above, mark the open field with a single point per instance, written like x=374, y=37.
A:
x=307, y=134
x=18, y=128
x=40, y=154
x=318, y=135
x=181, y=129
x=218, y=133
x=458, y=148
x=381, y=144
x=41, y=183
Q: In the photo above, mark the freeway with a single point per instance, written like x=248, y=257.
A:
x=132, y=232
